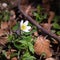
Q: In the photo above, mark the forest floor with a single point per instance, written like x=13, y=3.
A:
x=25, y=33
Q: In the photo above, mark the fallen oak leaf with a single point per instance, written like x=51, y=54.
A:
x=42, y=45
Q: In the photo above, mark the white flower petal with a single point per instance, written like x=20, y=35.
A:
x=28, y=27
x=26, y=30
x=21, y=22
x=26, y=22
x=24, y=27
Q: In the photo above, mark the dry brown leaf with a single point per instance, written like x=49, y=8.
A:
x=13, y=50
x=8, y=53
x=28, y=9
x=46, y=26
x=12, y=15
x=42, y=45
x=3, y=40
x=11, y=23
x=55, y=41
x=3, y=32
x=36, y=33
x=4, y=25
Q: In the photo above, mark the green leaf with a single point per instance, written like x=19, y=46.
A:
x=26, y=33
x=6, y=15
x=45, y=16
x=58, y=33
x=27, y=38
x=56, y=19
x=31, y=48
x=20, y=45
x=10, y=38
x=27, y=56
x=13, y=55
x=6, y=18
x=4, y=53
x=56, y=26
x=24, y=42
x=1, y=16
x=15, y=27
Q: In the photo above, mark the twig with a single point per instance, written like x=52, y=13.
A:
x=36, y=24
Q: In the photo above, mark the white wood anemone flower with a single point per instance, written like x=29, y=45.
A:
x=24, y=26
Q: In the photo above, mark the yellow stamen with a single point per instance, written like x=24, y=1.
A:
x=23, y=27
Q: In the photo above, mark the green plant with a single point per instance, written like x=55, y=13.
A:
x=23, y=43
x=39, y=15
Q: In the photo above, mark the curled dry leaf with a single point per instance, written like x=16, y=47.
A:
x=47, y=26
x=36, y=33
x=42, y=45
x=55, y=41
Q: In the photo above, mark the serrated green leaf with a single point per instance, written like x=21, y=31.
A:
x=19, y=45
x=30, y=45
x=27, y=56
x=10, y=38
x=23, y=42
